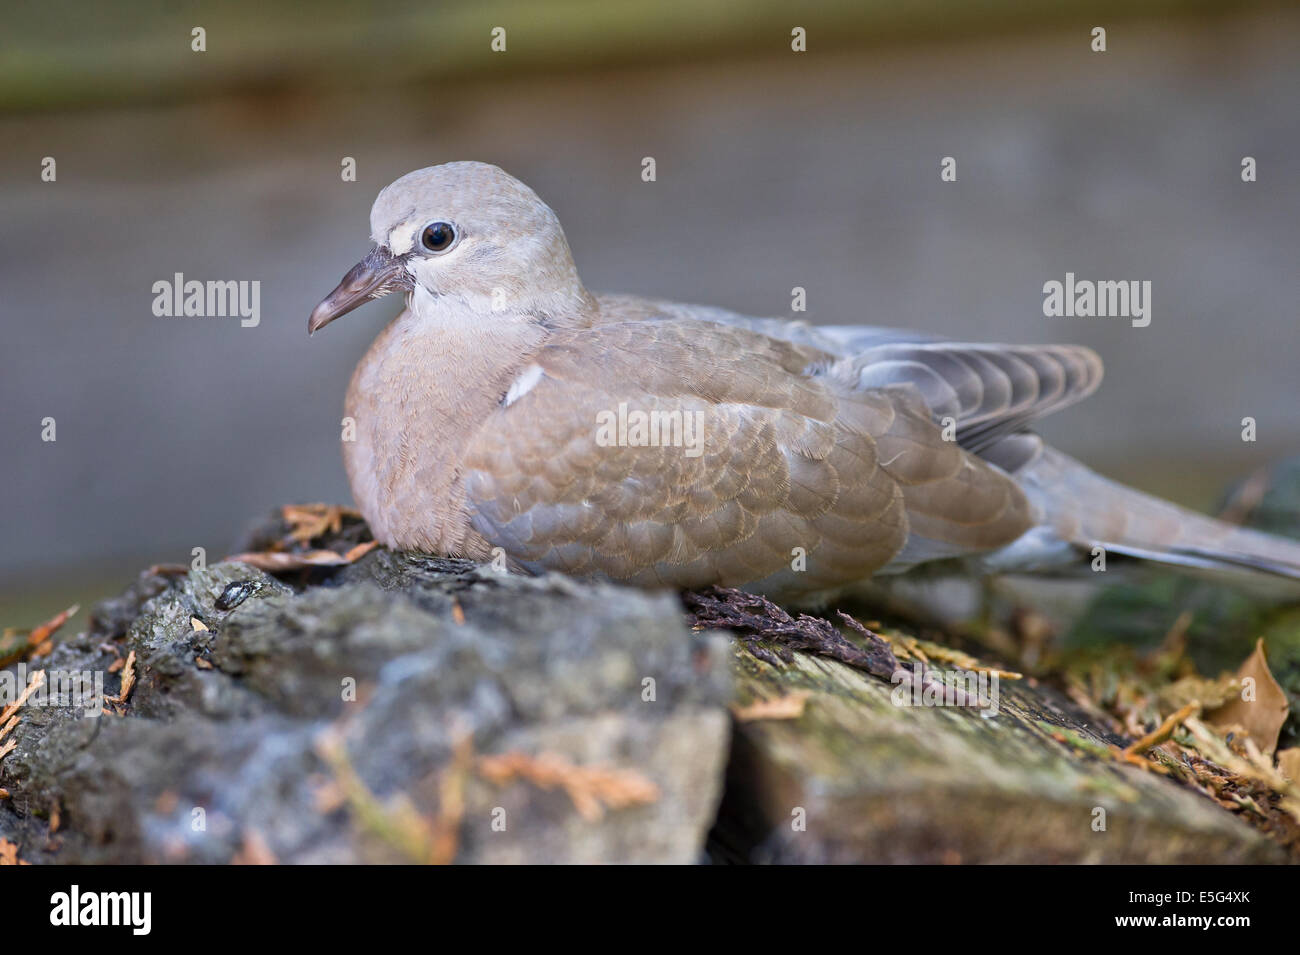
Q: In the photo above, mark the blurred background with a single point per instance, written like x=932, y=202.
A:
x=775, y=169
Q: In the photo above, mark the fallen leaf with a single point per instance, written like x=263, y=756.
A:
x=312, y=520
x=17, y=645
x=9, y=717
x=591, y=789
x=359, y=551
x=166, y=570
x=128, y=680
x=1163, y=732
x=278, y=561
x=789, y=707
x=1253, y=766
x=46, y=630
x=1288, y=763
x=1261, y=717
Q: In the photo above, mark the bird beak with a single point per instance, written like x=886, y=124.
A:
x=373, y=277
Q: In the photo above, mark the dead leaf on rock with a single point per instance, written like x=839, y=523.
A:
x=46, y=630
x=128, y=680
x=1288, y=763
x=592, y=789
x=307, y=521
x=356, y=553
x=16, y=645
x=788, y=707
x=277, y=562
x=9, y=715
x=1163, y=732
x=1260, y=709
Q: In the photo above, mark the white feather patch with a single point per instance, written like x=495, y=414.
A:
x=525, y=383
x=402, y=239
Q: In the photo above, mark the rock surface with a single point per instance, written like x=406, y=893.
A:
x=859, y=778
x=405, y=708
x=237, y=742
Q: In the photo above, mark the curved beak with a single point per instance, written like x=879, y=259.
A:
x=373, y=277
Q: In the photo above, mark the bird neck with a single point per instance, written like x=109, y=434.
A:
x=424, y=388
x=562, y=302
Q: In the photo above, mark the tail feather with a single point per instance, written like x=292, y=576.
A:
x=1080, y=509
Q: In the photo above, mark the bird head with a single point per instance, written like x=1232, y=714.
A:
x=468, y=234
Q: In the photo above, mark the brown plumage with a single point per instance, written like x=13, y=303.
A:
x=667, y=444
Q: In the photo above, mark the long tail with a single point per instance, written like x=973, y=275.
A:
x=1081, y=510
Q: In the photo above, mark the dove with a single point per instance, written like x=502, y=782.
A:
x=508, y=412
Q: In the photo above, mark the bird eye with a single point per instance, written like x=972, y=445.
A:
x=437, y=236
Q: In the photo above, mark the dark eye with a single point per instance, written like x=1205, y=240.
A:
x=437, y=236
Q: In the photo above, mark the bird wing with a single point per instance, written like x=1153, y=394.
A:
x=991, y=391
x=841, y=341
x=789, y=452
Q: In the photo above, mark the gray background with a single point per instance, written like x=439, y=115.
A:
x=774, y=170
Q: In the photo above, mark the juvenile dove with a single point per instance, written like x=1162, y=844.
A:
x=508, y=411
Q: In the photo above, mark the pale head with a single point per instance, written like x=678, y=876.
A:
x=469, y=236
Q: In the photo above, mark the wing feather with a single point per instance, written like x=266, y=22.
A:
x=788, y=457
